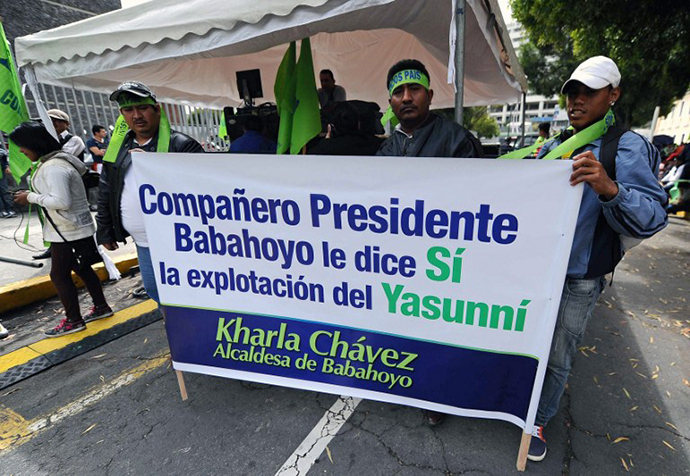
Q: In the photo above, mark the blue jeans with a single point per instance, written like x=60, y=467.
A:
x=147, y=275
x=577, y=304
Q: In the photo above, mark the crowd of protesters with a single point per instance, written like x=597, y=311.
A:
x=631, y=202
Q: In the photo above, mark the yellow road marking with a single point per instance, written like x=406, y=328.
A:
x=45, y=346
x=16, y=430
x=18, y=357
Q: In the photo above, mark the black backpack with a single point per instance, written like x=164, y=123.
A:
x=606, y=248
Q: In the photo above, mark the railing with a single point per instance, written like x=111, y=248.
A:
x=86, y=109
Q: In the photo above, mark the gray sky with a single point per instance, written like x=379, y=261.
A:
x=505, y=10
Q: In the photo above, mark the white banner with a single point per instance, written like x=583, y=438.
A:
x=431, y=282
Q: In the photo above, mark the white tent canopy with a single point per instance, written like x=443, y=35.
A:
x=188, y=51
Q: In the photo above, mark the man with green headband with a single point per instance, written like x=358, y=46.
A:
x=142, y=127
x=621, y=200
x=419, y=132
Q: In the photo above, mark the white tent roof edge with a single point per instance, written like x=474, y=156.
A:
x=176, y=50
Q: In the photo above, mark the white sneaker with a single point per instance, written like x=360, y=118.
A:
x=3, y=332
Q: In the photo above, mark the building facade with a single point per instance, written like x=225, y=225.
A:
x=538, y=108
x=677, y=123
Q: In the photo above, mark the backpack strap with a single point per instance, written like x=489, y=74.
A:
x=606, y=248
x=609, y=149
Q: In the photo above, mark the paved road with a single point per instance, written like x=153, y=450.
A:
x=117, y=409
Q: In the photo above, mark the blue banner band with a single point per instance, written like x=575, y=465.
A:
x=329, y=354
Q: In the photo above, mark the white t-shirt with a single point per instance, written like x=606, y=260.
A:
x=74, y=146
x=130, y=208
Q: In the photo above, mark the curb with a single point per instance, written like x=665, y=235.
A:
x=34, y=358
x=28, y=291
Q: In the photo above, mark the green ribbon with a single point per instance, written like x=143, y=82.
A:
x=121, y=129
x=389, y=115
x=526, y=151
x=41, y=220
x=582, y=138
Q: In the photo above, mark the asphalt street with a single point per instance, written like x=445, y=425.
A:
x=117, y=409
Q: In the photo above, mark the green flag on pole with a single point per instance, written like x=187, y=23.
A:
x=306, y=123
x=223, y=128
x=12, y=106
x=284, y=90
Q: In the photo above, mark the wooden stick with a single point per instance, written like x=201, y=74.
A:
x=180, y=382
x=522, y=453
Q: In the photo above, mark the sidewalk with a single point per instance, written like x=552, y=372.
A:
x=29, y=306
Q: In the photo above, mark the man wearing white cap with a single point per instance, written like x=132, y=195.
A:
x=70, y=143
x=622, y=200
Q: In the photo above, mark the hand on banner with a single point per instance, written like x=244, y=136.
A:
x=20, y=198
x=586, y=168
x=111, y=246
x=137, y=150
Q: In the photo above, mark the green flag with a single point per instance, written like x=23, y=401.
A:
x=306, y=123
x=12, y=106
x=284, y=90
x=223, y=128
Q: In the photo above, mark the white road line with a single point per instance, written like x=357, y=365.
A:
x=316, y=441
x=77, y=406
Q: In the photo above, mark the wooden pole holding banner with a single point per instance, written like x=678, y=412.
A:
x=180, y=382
x=522, y=453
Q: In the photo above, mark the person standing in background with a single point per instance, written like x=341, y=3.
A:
x=6, y=208
x=97, y=145
x=57, y=188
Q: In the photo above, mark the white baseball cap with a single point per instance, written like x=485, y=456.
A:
x=596, y=72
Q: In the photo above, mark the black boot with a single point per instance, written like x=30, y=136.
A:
x=45, y=255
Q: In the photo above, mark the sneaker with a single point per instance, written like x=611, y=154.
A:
x=537, y=447
x=65, y=328
x=98, y=313
x=44, y=255
x=10, y=214
x=434, y=418
x=3, y=332
x=4, y=214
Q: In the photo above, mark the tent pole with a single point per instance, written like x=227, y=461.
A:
x=655, y=119
x=459, y=58
x=522, y=117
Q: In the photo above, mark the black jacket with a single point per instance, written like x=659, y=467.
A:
x=108, y=218
x=437, y=137
x=347, y=144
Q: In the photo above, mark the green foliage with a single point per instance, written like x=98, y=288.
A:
x=475, y=119
x=649, y=40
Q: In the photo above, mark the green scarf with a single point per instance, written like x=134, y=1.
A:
x=121, y=129
x=582, y=138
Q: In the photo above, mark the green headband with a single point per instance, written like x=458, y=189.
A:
x=407, y=76
x=128, y=101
